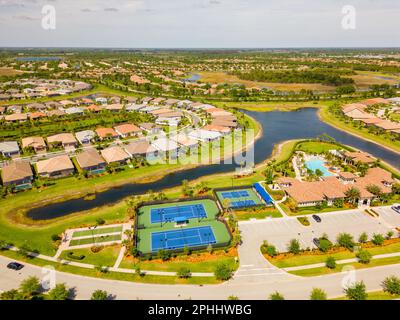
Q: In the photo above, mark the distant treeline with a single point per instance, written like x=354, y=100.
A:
x=294, y=76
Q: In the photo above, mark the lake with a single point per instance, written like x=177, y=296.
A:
x=277, y=127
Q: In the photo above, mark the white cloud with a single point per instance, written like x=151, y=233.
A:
x=200, y=23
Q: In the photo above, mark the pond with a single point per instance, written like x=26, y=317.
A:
x=277, y=127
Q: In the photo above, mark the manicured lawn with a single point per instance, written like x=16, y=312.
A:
x=313, y=272
x=306, y=258
x=95, y=240
x=202, y=262
x=258, y=214
x=106, y=257
x=312, y=147
x=112, y=275
x=310, y=210
x=96, y=231
x=375, y=295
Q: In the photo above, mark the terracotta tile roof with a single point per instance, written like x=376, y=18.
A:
x=55, y=164
x=140, y=147
x=33, y=142
x=89, y=158
x=371, y=102
x=106, y=132
x=16, y=170
x=64, y=138
x=359, y=156
x=114, y=154
x=127, y=128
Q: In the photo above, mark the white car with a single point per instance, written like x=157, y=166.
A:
x=396, y=207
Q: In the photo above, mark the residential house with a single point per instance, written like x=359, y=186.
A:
x=115, y=155
x=127, y=130
x=9, y=149
x=57, y=167
x=35, y=143
x=91, y=161
x=151, y=128
x=106, y=133
x=17, y=174
x=66, y=140
x=116, y=107
x=204, y=135
x=85, y=137
x=16, y=117
x=141, y=148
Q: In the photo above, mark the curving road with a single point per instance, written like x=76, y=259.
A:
x=250, y=287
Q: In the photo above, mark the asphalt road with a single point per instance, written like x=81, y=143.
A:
x=255, y=279
x=244, y=287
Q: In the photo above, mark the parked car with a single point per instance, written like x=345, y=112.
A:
x=15, y=266
x=316, y=218
x=396, y=207
x=316, y=242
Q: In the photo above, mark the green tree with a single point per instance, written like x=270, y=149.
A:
x=363, y=238
x=378, y=239
x=357, y=291
x=324, y=245
x=364, y=256
x=223, y=272
x=59, y=292
x=12, y=295
x=318, y=294
x=345, y=240
x=30, y=287
x=276, y=296
x=99, y=295
x=294, y=246
x=352, y=195
x=391, y=285
x=184, y=273
x=330, y=263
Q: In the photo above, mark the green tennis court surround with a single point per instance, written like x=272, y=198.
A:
x=200, y=217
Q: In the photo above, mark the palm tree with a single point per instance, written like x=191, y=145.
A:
x=352, y=194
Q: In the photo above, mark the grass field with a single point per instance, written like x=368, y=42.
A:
x=316, y=147
x=307, y=258
x=106, y=257
x=196, y=262
x=112, y=275
x=258, y=214
x=374, y=295
x=96, y=231
x=313, y=272
x=95, y=240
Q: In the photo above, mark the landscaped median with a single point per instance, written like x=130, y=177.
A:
x=309, y=263
x=102, y=271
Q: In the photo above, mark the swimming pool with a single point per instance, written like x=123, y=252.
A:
x=318, y=164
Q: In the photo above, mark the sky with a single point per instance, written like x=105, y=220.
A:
x=200, y=23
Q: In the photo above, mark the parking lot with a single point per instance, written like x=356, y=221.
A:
x=280, y=231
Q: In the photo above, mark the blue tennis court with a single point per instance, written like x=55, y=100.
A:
x=178, y=239
x=242, y=204
x=234, y=194
x=178, y=213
